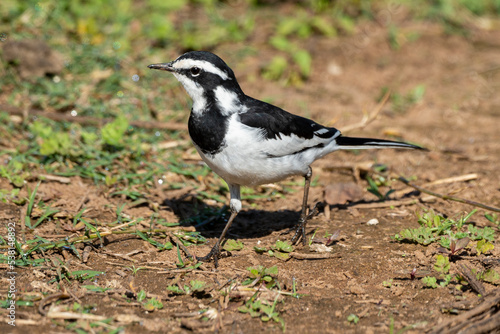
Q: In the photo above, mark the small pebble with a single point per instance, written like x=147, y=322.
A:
x=373, y=221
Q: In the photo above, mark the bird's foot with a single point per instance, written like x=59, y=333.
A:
x=213, y=254
x=300, y=228
x=300, y=232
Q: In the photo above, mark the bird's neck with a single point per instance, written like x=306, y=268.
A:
x=222, y=100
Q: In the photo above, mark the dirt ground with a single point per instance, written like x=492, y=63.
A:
x=457, y=120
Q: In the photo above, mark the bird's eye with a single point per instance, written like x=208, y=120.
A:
x=195, y=71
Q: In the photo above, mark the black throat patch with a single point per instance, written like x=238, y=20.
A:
x=208, y=131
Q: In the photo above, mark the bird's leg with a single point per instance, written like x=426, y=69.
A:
x=215, y=251
x=301, y=226
x=235, y=205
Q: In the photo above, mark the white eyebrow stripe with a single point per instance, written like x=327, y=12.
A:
x=203, y=64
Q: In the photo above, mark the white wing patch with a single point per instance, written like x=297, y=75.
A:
x=321, y=131
x=283, y=145
x=292, y=144
x=205, y=65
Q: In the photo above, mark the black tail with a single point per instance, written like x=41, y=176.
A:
x=353, y=143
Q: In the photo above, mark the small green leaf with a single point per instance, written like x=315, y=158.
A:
x=283, y=246
x=260, y=250
x=442, y=264
x=176, y=290
x=233, y=245
x=141, y=295
x=276, y=68
x=197, y=285
x=152, y=304
x=281, y=256
x=447, y=279
x=244, y=309
x=484, y=247
x=430, y=282
x=95, y=288
x=273, y=271
x=491, y=276
x=353, y=318
x=303, y=59
x=113, y=132
x=388, y=283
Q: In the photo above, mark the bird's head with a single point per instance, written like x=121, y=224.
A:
x=202, y=74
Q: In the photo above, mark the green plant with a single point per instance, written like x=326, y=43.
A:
x=374, y=189
x=95, y=288
x=437, y=228
x=266, y=312
x=483, y=246
x=442, y=264
x=280, y=250
x=193, y=287
x=261, y=274
x=152, y=304
x=135, y=269
x=353, y=318
x=113, y=132
x=403, y=102
x=430, y=282
x=166, y=246
x=79, y=275
x=493, y=217
x=477, y=233
x=283, y=246
x=31, y=205
x=233, y=245
x=452, y=246
x=490, y=276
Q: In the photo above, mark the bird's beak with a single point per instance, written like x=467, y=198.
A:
x=164, y=67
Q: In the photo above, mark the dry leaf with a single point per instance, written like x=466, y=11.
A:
x=341, y=193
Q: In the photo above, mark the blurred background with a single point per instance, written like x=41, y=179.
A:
x=75, y=84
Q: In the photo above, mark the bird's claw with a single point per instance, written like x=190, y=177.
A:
x=213, y=254
x=300, y=229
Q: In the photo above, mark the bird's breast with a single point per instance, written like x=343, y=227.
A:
x=208, y=131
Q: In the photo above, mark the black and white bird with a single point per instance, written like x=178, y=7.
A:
x=249, y=142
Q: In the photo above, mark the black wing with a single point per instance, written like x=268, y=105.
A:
x=285, y=133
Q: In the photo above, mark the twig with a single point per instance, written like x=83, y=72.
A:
x=82, y=202
x=447, y=197
x=461, y=178
x=84, y=120
x=128, y=266
x=475, y=284
x=302, y=256
x=86, y=253
x=49, y=299
x=482, y=316
x=368, y=118
x=120, y=256
x=187, y=270
x=179, y=244
x=60, y=179
x=394, y=203
x=74, y=316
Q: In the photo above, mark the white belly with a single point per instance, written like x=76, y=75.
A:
x=241, y=166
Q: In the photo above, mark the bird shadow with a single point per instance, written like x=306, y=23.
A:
x=211, y=219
